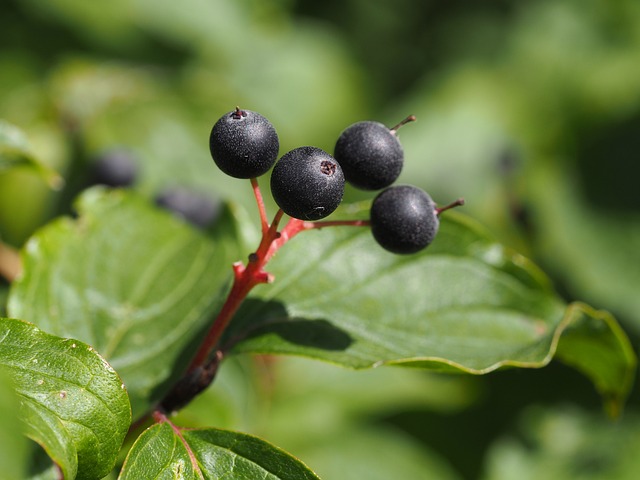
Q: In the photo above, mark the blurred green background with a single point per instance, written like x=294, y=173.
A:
x=528, y=109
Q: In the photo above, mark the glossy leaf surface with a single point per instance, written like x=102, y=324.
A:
x=71, y=401
x=464, y=304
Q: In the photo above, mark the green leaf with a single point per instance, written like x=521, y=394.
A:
x=71, y=400
x=464, y=304
x=15, y=151
x=13, y=445
x=164, y=451
x=129, y=279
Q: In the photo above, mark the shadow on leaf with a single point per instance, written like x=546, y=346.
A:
x=258, y=319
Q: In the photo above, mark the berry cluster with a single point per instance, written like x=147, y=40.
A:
x=308, y=184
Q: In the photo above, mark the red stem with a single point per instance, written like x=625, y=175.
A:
x=242, y=285
x=337, y=223
x=259, y=200
x=295, y=226
x=245, y=278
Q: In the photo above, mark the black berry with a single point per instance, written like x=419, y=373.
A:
x=370, y=154
x=115, y=167
x=197, y=209
x=244, y=144
x=307, y=183
x=404, y=219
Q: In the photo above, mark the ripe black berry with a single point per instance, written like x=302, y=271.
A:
x=115, y=167
x=195, y=208
x=370, y=154
x=404, y=219
x=244, y=144
x=307, y=183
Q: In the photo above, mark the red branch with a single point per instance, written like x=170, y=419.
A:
x=203, y=366
x=244, y=279
x=247, y=277
x=263, y=212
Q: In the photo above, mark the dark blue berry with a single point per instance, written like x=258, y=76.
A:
x=404, y=219
x=370, y=154
x=244, y=144
x=115, y=167
x=307, y=183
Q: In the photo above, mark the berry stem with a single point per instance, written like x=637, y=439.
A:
x=337, y=223
x=294, y=226
x=457, y=203
x=238, y=114
x=261, y=208
x=410, y=118
x=242, y=285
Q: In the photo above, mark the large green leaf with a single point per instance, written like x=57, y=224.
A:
x=71, y=400
x=464, y=304
x=132, y=281
x=164, y=451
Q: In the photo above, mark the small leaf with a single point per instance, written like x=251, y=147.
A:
x=129, y=279
x=164, y=451
x=15, y=151
x=464, y=304
x=71, y=400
